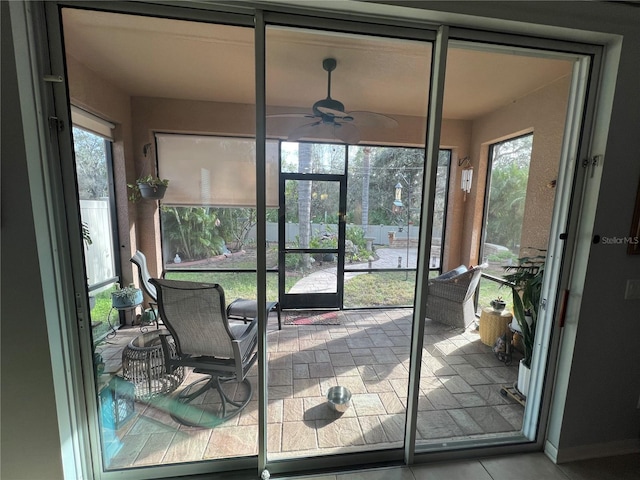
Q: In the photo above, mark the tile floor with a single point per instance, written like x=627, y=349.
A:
x=368, y=352
x=532, y=466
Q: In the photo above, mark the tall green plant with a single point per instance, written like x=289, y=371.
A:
x=192, y=231
x=526, y=280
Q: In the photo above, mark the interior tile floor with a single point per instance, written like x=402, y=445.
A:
x=366, y=351
x=530, y=466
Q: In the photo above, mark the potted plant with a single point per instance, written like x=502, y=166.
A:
x=86, y=238
x=526, y=284
x=126, y=297
x=498, y=304
x=86, y=234
x=149, y=187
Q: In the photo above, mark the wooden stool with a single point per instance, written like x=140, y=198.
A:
x=493, y=324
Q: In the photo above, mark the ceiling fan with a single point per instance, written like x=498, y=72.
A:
x=331, y=120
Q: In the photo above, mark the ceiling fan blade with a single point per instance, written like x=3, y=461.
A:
x=291, y=115
x=334, y=113
x=372, y=119
x=303, y=131
x=346, y=132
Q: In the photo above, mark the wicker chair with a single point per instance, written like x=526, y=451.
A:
x=450, y=298
x=195, y=315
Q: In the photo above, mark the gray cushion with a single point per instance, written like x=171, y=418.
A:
x=452, y=273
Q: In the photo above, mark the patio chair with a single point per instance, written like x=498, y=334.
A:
x=450, y=299
x=195, y=315
x=140, y=261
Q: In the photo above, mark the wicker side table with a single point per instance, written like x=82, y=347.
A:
x=143, y=365
x=493, y=324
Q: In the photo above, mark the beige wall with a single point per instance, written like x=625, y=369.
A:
x=178, y=116
x=151, y=115
x=96, y=95
x=543, y=113
x=455, y=135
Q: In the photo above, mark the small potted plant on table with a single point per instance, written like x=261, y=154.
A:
x=498, y=304
x=126, y=297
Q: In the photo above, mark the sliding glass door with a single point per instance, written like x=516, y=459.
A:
x=506, y=178
x=329, y=94
x=335, y=95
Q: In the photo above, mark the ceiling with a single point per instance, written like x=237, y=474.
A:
x=157, y=57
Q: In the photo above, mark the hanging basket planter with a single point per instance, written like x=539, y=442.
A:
x=148, y=187
x=152, y=192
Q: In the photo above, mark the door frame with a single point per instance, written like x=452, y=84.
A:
x=312, y=300
x=60, y=255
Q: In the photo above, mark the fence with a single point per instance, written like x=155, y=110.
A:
x=99, y=256
x=378, y=234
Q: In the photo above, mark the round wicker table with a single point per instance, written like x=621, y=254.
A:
x=143, y=365
x=493, y=324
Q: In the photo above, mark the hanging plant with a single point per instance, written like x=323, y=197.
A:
x=148, y=187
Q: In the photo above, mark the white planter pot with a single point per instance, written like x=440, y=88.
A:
x=515, y=326
x=524, y=374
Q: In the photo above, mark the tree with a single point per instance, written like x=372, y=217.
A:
x=366, y=174
x=508, y=191
x=304, y=197
x=235, y=224
x=390, y=166
x=91, y=166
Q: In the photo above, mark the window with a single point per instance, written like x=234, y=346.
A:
x=208, y=232
x=95, y=189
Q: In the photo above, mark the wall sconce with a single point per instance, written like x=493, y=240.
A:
x=467, y=175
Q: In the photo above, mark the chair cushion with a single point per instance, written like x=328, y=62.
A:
x=242, y=308
x=452, y=273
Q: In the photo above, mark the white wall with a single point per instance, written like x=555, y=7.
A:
x=604, y=385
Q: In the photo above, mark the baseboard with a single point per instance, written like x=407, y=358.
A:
x=551, y=451
x=596, y=450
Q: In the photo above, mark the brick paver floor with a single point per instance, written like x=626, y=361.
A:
x=368, y=352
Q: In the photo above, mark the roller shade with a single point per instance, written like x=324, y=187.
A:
x=92, y=123
x=214, y=171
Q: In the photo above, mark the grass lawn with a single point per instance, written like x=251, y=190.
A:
x=380, y=289
x=376, y=289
